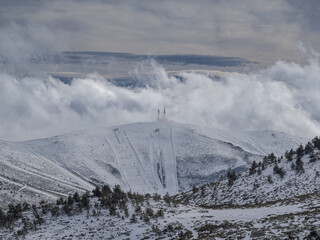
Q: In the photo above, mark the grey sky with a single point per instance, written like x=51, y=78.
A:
x=263, y=31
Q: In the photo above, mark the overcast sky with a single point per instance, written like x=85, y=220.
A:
x=259, y=30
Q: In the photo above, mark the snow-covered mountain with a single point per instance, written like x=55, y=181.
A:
x=150, y=157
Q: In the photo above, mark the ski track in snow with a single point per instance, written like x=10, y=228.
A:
x=22, y=188
x=65, y=170
x=174, y=162
x=76, y=173
x=254, y=145
x=116, y=157
x=156, y=163
x=128, y=162
x=166, y=148
x=161, y=171
x=46, y=192
x=134, y=151
x=151, y=160
x=96, y=168
x=115, y=133
x=42, y=175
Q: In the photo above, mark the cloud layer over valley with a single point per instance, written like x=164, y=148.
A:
x=283, y=97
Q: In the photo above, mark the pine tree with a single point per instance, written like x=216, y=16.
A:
x=138, y=209
x=67, y=209
x=167, y=198
x=308, y=149
x=316, y=142
x=113, y=210
x=265, y=160
x=269, y=179
x=25, y=206
x=160, y=213
x=149, y=212
x=259, y=171
x=76, y=197
x=156, y=197
x=300, y=151
x=2, y=218
x=126, y=211
x=85, y=201
x=106, y=190
x=60, y=201
x=289, y=155
x=299, y=165
x=97, y=192
x=70, y=200
x=231, y=177
x=272, y=157
x=194, y=189
x=252, y=170
x=263, y=166
x=278, y=170
x=55, y=211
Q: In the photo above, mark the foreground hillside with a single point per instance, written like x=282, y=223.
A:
x=156, y=157
x=285, y=179
x=276, y=198
x=114, y=214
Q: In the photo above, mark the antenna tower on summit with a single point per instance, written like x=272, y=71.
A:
x=163, y=117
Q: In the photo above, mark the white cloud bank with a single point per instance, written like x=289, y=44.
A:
x=284, y=97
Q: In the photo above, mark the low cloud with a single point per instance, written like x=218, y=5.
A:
x=21, y=43
x=283, y=97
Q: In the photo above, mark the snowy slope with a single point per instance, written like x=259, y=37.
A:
x=146, y=157
x=263, y=187
x=177, y=222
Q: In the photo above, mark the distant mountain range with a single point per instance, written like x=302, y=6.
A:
x=120, y=64
x=91, y=57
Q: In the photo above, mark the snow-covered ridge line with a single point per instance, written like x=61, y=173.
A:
x=153, y=157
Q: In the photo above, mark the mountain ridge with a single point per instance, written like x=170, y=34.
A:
x=154, y=157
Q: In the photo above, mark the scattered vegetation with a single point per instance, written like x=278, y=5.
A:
x=115, y=200
x=232, y=176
